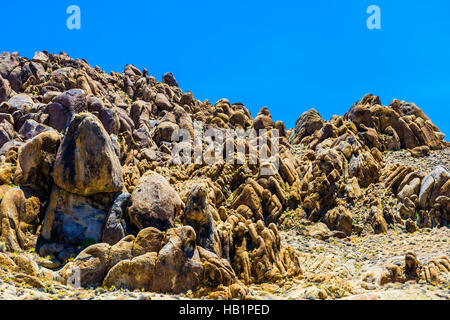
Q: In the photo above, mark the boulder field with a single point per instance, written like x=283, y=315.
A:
x=92, y=195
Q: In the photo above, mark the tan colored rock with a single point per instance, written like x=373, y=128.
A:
x=88, y=269
x=134, y=274
x=154, y=203
x=339, y=219
x=86, y=162
x=19, y=214
x=148, y=240
x=36, y=160
x=198, y=215
x=419, y=152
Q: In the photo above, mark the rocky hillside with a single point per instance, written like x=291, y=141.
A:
x=96, y=204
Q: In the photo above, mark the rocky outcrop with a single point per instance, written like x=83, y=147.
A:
x=20, y=219
x=73, y=219
x=91, y=180
x=400, y=121
x=86, y=162
x=198, y=215
x=36, y=161
x=154, y=203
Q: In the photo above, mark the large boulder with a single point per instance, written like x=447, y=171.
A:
x=73, y=219
x=162, y=102
x=7, y=63
x=6, y=132
x=340, y=219
x=86, y=163
x=74, y=100
x=198, y=215
x=64, y=107
x=148, y=240
x=178, y=265
x=169, y=79
x=132, y=274
x=433, y=181
x=88, y=269
x=32, y=128
x=19, y=102
x=5, y=89
x=263, y=120
x=154, y=203
x=306, y=125
x=36, y=160
x=19, y=219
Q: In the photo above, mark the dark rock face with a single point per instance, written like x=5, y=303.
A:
x=86, y=163
x=59, y=116
x=73, y=219
x=170, y=79
x=114, y=229
x=31, y=129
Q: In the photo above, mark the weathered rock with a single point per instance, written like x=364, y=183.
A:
x=319, y=231
x=5, y=89
x=263, y=120
x=6, y=132
x=110, y=120
x=148, y=240
x=178, y=265
x=420, y=152
x=154, y=203
x=36, y=160
x=430, y=183
x=163, y=103
x=170, y=79
x=198, y=215
x=19, y=102
x=88, y=269
x=376, y=219
x=339, y=219
x=73, y=219
x=86, y=163
x=410, y=226
x=114, y=229
x=73, y=100
x=19, y=214
x=134, y=274
x=164, y=131
x=7, y=63
x=307, y=124
x=31, y=129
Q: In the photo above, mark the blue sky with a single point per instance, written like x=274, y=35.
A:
x=287, y=55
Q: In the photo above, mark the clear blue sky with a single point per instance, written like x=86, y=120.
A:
x=287, y=55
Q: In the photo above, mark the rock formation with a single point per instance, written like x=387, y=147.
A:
x=91, y=180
